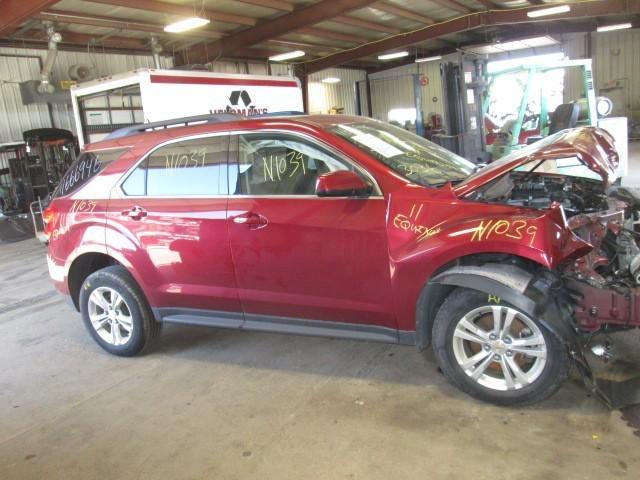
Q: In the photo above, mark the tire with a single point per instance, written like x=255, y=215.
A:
x=520, y=365
x=116, y=313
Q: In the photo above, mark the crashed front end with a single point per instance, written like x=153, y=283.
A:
x=574, y=171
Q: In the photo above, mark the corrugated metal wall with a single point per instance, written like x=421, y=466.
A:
x=20, y=64
x=616, y=60
x=15, y=117
x=393, y=89
x=615, y=57
x=575, y=47
x=325, y=96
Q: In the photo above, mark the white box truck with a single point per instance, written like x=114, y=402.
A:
x=108, y=103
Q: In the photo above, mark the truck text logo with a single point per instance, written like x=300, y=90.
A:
x=240, y=103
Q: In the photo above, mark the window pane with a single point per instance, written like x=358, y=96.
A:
x=135, y=183
x=87, y=166
x=279, y=165
x=192, y=167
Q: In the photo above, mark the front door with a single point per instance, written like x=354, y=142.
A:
x=172, y=207
x=299, y=257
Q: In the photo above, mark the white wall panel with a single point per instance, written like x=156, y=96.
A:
x=575, y=47
x=21, y=64
x=394, y=89
x=325, y=96
x=617, y=58
x=15, y=117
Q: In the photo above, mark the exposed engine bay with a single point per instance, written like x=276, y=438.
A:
x=607, y=277
x=536, y=190
x=595, y=290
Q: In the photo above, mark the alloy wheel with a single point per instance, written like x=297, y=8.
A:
x=110, y=316
x=499, y=347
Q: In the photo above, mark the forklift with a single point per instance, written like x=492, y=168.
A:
x=530, y=124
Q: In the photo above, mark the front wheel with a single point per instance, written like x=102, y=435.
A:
x=495, y=352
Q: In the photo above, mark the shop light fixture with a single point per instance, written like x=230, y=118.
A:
x=389, y=56
x=281, y=57
x=617, y=26
x=186, y=24
x=428, y=59
x=331, y=80
x=543, y=12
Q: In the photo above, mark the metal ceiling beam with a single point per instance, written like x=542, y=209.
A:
x=471, y=22
x=523, y=31
x=344, y=20
x=333, y=35
x=453, y=5
x=66, y=17
x=275, y=4
x=68, y=47
x=303, y=45
x=125, y=43
x=402, y=12
x=63, y=16
x=358, y=22
x=16, y=12
x=488, y=4
x=179, y=10
x=299, y=18
x=28, y=25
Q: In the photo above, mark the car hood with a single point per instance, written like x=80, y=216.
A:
x=594, y=147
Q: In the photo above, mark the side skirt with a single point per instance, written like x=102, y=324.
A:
x=297, y=326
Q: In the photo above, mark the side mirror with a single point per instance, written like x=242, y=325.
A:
x=343, y=183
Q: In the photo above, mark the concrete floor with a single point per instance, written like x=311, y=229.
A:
x=226, y=404
x=222, y=404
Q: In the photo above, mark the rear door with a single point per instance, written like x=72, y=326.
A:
x=299, y=257
x=168, y=216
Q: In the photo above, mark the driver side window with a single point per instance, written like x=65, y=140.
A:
x=279, y=164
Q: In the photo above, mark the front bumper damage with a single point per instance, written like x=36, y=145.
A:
x=608, y=315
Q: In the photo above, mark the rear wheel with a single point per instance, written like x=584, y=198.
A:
x=116, y=313
x=496, y=352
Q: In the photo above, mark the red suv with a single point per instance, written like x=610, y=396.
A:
x=348, y=227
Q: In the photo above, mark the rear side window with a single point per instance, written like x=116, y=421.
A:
x=87, y=166
x=189, y=167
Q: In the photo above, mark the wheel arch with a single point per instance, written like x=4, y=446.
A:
x=82, y=266
x=516, y=280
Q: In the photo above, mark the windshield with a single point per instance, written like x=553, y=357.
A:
x=407, y=154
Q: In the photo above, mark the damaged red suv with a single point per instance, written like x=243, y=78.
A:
x=347, y=227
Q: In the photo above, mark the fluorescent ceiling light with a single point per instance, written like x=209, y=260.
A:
x=618, y=26
x=331, y=80
x=543, y=12
x=428, y=59
x=186, y=24
x=389, y=56
x=286, y=56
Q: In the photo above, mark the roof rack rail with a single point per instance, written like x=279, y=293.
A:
x=173, y=122
x=184, y=121
x=286, y=113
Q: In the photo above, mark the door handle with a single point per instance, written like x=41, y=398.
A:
x=135, y=213
x=251, y=220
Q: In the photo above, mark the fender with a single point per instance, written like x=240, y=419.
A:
x=424, y=235
x=538, y=294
